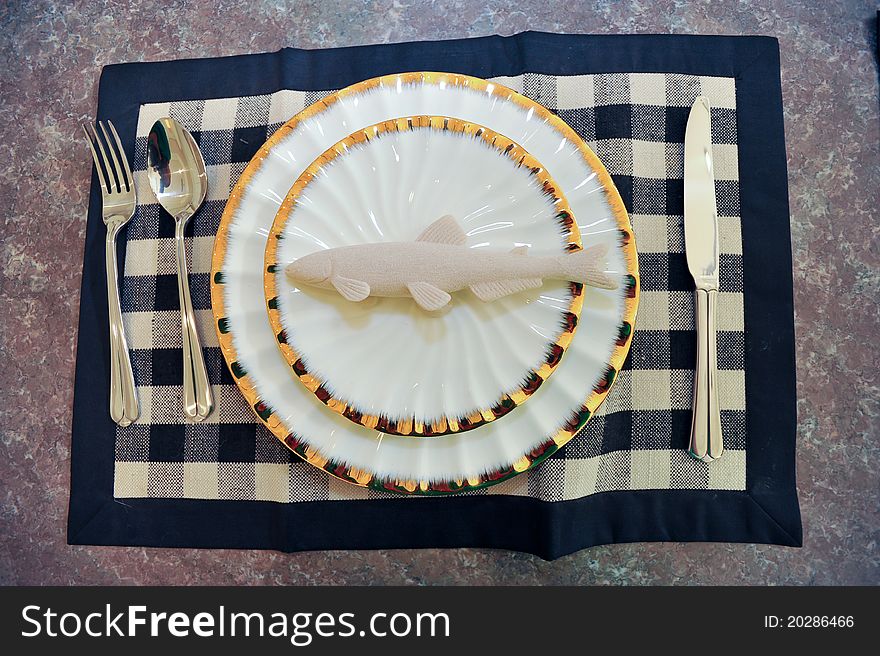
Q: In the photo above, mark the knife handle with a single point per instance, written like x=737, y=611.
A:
x=706, y=441
x=716, y=441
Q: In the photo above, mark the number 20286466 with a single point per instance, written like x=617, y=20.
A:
x=809, y=621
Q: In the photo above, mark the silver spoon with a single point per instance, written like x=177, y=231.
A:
x=178, y=178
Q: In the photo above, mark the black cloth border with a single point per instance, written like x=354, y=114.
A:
x=767, y=512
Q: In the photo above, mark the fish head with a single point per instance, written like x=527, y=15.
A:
x=312, y=269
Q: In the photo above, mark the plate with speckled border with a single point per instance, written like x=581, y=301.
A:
x=385, y=362
x=488, y=454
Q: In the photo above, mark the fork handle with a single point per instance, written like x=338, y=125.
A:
x=123, y=395
x=197, y=397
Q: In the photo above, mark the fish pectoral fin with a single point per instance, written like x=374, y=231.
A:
x=520, y=250
x=444, y=230
x=349, y=289
x=428, y=296
x=491, y=291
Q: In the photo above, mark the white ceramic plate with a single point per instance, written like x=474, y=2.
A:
x=489, y=453
x=385, y=363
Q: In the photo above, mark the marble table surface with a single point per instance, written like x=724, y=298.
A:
x=52, y=53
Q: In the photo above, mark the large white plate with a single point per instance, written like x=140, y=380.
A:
x=489, y=453
x=383, y=362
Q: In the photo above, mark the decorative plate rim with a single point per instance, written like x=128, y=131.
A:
x=445, y=425
x=577, y=419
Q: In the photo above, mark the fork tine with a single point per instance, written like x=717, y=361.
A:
x=98, y=169
x=117, y=169
x=107, y=168
x=129, y=181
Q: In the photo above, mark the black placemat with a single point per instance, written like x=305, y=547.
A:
x=764, y=511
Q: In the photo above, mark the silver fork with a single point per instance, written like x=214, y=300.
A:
x=119, y=201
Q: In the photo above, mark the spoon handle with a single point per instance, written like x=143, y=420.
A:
x=197, y=397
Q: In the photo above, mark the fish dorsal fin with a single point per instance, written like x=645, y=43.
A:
x=520, y=250
x=349, y=289
x=490, y=291
x=428, y=296
x=444, y=230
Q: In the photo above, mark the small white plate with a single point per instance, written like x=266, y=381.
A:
x=385, y=363
x=490, y=453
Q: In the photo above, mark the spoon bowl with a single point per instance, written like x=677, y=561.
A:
x=176, y=169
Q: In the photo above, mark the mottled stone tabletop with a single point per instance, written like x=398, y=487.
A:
x=52, y=53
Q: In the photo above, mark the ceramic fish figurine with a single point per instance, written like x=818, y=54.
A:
x=437, y=264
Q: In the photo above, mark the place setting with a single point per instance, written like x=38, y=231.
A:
x=431, y=301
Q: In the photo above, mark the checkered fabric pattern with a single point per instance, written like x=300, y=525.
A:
x=636, y=441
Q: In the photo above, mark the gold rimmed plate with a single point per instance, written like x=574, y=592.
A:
x=490, y=453
x=385, y=363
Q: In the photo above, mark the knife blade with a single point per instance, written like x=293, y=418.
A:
x=701, y=250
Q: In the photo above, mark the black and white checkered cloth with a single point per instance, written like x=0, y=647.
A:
x=636, y=441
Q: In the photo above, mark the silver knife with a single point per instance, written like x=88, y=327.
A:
x=701, y=246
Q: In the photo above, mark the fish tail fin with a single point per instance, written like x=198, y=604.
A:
x=587, y=266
